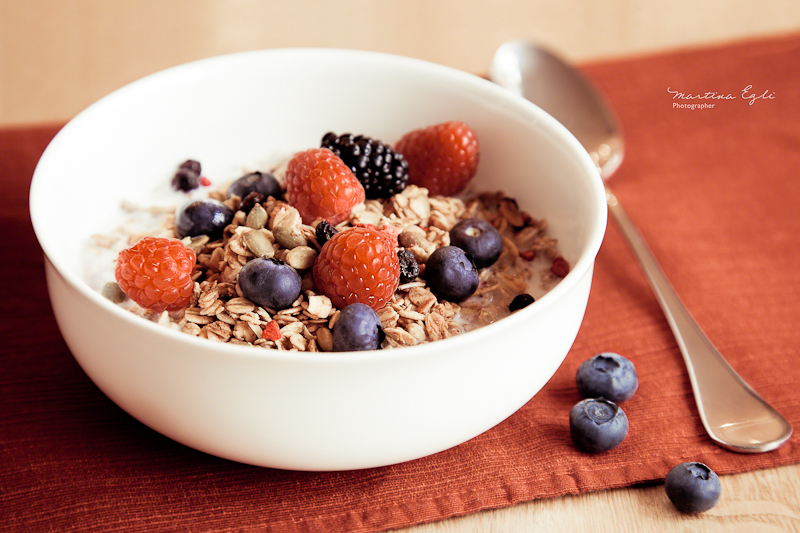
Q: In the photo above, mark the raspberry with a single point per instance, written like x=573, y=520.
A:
x=156, y=273
x=442, y=158
x=381, y=171
x=320, y=186
x=390, y=231
x=358, y=265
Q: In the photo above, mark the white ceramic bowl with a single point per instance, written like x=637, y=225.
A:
x=308, y=411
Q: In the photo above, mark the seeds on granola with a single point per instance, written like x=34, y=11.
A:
x=220, y=311
x=258, y=243
x=113, y=292
x=301, y=257
x=289, y=237
x=257, y=217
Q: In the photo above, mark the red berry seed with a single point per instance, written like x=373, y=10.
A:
x=560, y=267
x=272, y=331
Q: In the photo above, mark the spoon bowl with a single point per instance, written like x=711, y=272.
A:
x=733, y=414
x=572, y=104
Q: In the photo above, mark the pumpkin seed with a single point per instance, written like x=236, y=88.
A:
x=196, y=243
x=114, y=292
x=325, y=339
x=257, y=217
x=258, y=243
x=289, y=237
x=301, y=257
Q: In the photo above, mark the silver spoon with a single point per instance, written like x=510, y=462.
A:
x=734, y=415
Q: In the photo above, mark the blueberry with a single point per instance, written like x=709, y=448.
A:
x=520, y=301
x=357, y=328
x=270, y=283
x=597, y=425
x=202, y=217
x=451, y=274
x=260, y=182
x=693, y=487
x=479, y=239
x=187, y=177
x=607, y=375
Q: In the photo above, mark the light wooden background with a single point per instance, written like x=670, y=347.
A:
x=59, y=56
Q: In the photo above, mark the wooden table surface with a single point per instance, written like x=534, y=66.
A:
x=763, y=500
x=57, y=57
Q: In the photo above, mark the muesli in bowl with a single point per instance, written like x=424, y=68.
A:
x=309, y=410
x=288, y=299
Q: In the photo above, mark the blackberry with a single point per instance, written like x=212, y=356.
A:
x=382, y=171
x=187, y=177
x=409, y=268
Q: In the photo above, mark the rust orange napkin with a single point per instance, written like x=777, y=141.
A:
x=714, y=189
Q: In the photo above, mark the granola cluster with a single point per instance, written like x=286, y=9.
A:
x=220, y=312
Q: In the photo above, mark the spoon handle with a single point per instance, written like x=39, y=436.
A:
x=734, y=415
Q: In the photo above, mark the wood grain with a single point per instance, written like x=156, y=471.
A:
x=764, y=500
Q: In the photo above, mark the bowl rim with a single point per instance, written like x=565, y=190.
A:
x=478, y=85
